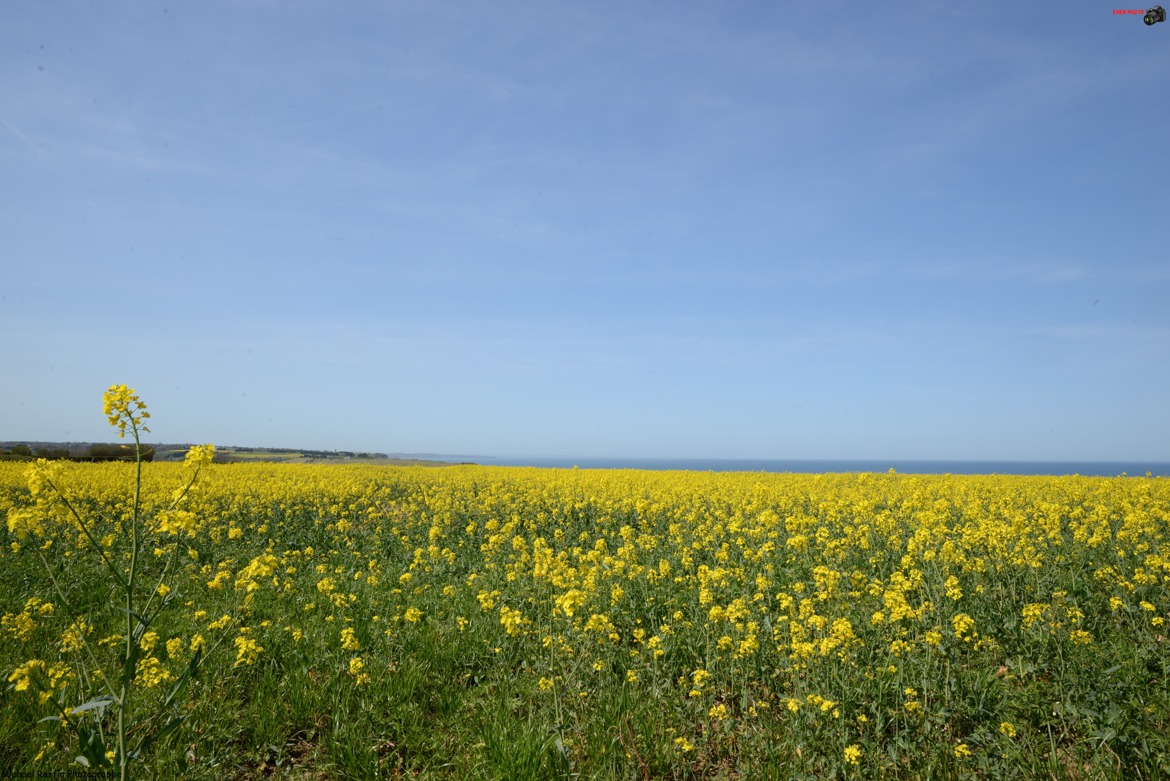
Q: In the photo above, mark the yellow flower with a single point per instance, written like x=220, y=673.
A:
x=176, y=522
x=1034, y=613
x=22, y=675
x=20, y=625
x=247, y=651
x=22, y=521
x=151, y=673
x=221, y=577
x=260, y=567
x=568, y=602
x=349, y=641
x=963, y=624
x=122, y=408
x=954, y=590
x=512, y=620
x=599, y=623
x=200, y=455
x=148, y=641
x=73, y=638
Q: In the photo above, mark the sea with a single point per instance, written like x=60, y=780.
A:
x=824, y=466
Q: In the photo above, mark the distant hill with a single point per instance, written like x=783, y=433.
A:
x=101, y=451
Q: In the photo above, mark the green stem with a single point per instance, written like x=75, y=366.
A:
x=61, y=595
x=161, y=578
x=174, y=552
x=136, y=543
x=186, y=489
x=93, y=540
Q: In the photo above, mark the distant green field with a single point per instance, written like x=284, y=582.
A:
x=264, y=456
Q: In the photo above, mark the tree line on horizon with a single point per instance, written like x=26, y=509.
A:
x=87, y=451
x=95, y=452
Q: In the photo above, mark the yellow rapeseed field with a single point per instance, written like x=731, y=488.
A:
x=541, y=622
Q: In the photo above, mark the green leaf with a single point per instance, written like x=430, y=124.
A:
x=131, y=663
x=101, y=702
x=141, y=620
x=191, y=671
x=93, y=750
x=166, y=729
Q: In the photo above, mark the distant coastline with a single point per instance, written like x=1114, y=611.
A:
x=824, y=466
x=237, y=454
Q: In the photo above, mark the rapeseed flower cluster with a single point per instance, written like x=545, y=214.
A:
x=122, y=407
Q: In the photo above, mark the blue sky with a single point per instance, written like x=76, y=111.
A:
x=695, y=229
